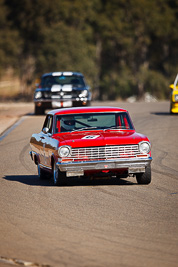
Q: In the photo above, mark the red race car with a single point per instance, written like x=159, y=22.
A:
x=91, y=142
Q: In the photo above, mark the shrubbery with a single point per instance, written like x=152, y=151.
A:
x=122, y=47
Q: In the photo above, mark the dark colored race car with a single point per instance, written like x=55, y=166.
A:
x=91, y=142
x=61, y=89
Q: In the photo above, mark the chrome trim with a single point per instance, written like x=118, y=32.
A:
x=142, y=142
x=61, y=99
x=136, y=163
x=105, y=153
x=45, y=167
x=59, y=149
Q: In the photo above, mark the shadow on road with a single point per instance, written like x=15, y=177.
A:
x=164, y=113
x=33, y=114
x=33, y=180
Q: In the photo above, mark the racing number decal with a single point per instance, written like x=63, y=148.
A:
x=90, y=137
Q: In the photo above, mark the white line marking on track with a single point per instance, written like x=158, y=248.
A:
x=12, y=128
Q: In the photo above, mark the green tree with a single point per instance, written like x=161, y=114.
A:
x=10, y=42
x=122, y=47
x=55, y=35
x=137, y=39
x=65, y=48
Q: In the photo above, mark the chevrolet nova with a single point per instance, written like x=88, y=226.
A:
x=91, y=142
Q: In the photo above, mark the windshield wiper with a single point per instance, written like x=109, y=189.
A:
x=115, y=127
x=84, y=128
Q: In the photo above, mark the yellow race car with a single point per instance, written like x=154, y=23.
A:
x=174, y=96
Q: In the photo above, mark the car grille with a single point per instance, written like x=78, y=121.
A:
x=72, y=94
x=105, y=153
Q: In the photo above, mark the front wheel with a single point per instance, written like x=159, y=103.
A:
x=88, y=103
x=39, y=110
x=59, y=178
x=144, y=178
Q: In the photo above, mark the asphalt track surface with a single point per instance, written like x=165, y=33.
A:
x=93, y=223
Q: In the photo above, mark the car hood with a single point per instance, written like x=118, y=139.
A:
x=100, y=138
x=56, y=88
x=175, y=91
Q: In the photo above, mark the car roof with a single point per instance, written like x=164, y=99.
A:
x=63, y=73
x=75, y=110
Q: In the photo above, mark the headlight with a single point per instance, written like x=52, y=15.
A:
x=84, y=93
x=144, y=147
x=64, y=151
x=38, y=94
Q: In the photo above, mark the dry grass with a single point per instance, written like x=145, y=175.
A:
x=9, y=89
x=9, y=84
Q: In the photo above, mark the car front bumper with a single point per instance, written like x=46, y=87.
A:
x=136, y=165
x=65, y=102
x=174, y=107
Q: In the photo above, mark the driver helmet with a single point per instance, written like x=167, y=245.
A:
x=68, y=123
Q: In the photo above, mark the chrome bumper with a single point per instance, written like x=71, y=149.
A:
x=73, y=99
x=78, y=168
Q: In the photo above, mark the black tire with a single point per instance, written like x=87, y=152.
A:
x=59, y=178
x=88, y=103
x=42, y=174
x=144, y=178
x=39, y=110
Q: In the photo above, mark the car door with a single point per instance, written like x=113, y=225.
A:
x=48, y=140
x=43, y=139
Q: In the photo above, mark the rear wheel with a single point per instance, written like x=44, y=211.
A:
x=59, y=178
x=144, y=178
x=41, y=173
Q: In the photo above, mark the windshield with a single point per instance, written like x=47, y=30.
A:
x=49, y=81
x=99, y=121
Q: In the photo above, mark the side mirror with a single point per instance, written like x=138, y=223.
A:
x=171, y=86
x=45, y=130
